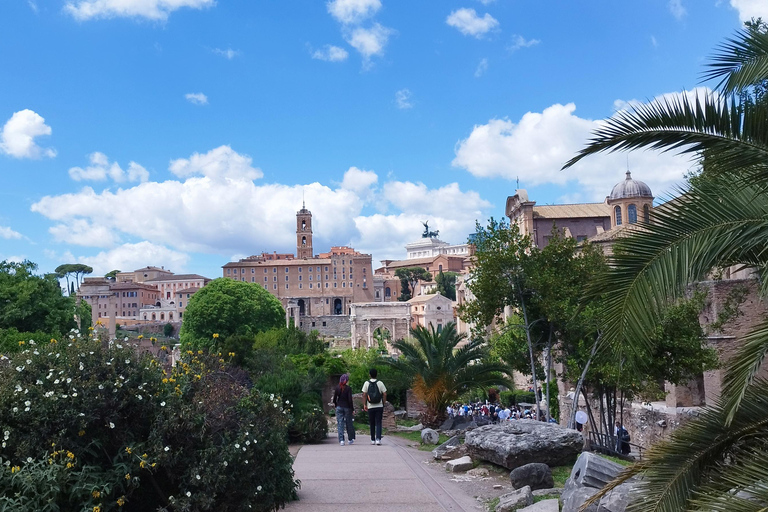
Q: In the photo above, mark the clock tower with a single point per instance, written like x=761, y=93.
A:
x=304, y=233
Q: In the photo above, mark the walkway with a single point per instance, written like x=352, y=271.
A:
x=372, y=478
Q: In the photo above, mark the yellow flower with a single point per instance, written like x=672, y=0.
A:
x=127, y=476
x=231, y=354
x=81, y=433
x=98, y=322
x=90, y=328
x=215, y=335
x=121, y=501
x=144, y=456
x=165, y=381
x=143, y=464
x=15, y=469
x=141, y=336
x=96, y=494
x=70, y=455
x=70, y=465
x=154, y=464
x=21, y=343
x=97, y=509
x=53, y=444
x=127, y=449
x=199, y=352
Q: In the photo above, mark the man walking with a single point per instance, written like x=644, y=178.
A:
x=374, y=396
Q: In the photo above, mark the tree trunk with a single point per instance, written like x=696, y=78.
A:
x=574, y=408
x=530, y=352
x=549, y=369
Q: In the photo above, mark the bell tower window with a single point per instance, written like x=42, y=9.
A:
x=632, y=214
x=617, y=213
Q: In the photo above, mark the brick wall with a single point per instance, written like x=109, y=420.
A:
x=413, y=406
x=337, y=326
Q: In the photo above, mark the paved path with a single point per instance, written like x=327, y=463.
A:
x=368, y=478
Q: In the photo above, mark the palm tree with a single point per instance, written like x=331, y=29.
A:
x=440, y=371
x=720, y=459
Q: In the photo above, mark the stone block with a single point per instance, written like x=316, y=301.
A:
x=438, y=452
x=617, y=499
x=543, y=506
x=521, y=442
x=457, y=465
x=592, y=470
x=515, y=500
x=429, y=436
x=554, y=492
x=574, y=496
x=479, y=472
x=535, y=475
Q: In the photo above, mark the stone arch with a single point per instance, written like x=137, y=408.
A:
x=337, y=307
x=302, y=307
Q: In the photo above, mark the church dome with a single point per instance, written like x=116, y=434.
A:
x=630, y=188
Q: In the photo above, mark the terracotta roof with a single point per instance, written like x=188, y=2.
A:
x=278, y=263
x=417, y=262
x=615, y=233
x=188, y=290
x=177, y=277
x=572, y=211
x=131, y=286
x=425, y=298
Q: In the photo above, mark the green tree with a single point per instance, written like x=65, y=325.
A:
x=226, y=307
x=112, y=274
x=446, y=284
x=409, y=279
x=440, y=372
x=76, y=270
x=719, y=460
x=29, y=302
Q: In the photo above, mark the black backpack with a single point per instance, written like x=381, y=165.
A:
x=374, y=393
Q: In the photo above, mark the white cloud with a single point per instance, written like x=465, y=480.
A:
x=330, y=53
x=18, y=136
x=519, y=42
x=486, y=2
x=196, y=98
x=677, y=9
x=749, y=9
x=482, y=67
x=100, y=169
x=536, y=147
x=237, y=216
x=218, y=163
x=403, y=99
x=353, y=11
x=9, y=234
x=228, y=54
x=158, y=10
x=32, y=5
x=470, y=24
x=654, y=42
x=131, y=256
x=369, y=41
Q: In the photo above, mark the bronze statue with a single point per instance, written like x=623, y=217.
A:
x=427, y=233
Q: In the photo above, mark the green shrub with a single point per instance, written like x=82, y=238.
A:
x=168, y=330
x=308, y=426
x=133, y=434
x=516, y=396
x=11, y=340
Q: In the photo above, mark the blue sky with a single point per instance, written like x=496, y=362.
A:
x=185, y=133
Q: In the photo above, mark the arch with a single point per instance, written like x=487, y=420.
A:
x=145, y=316
x=303, y=224
x=303, y=240
x=154, y=317
x=632, y=214
x=337, y=306
x=158, y=304
x=170, y=315
x=387, y=292
x=300, y=303
x=646, y=214
x=617, y=213
x=162, y=316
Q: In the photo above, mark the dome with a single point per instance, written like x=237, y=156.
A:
x=630, y=188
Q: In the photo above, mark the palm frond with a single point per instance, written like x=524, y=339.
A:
x=740, y=62
x=743, y=368
x=733, y=136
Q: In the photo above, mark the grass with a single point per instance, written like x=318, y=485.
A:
x=560, y=474
x=407, y=422
x=493, y=503
x=416, y=438
x=617, y=460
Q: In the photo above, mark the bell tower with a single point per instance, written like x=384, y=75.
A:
x=304, y=233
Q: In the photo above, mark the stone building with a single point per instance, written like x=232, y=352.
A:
x=317, y=291
x=391, y=320
x=432, y=311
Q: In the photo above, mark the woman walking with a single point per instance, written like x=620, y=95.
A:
x=342, y=399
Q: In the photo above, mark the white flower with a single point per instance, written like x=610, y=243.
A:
x=162, y=404
x=29, y=459
x=6, y=434
x=3, y=444
x=82, y=367
x=15, y=409
x=27, y=403
x=272, y=396
x=19, y=368
x=74, y=395
x=127, y=361
x=189, y=494
x=139, y=397
x=246, y=461
x=26, y=409
x=69, y=380
x=101, y=386
x=167, y=448
x=111, y=425
x=36, y=352
x=197, y=476
x=237, y=445
x=226, y=463
x=258, y=488
x=29, y=361
x=56, y=381
x=247, y=443
x=38, y=382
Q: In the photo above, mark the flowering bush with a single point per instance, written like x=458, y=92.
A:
x=107, y=429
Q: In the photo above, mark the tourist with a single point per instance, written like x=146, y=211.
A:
x=622, y=439
x=374, y=396
x=342, y=400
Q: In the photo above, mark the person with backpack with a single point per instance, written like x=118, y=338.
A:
x=342, y=400
x=622, y=439
x=374, y=396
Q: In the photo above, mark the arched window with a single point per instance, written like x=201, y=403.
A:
x=617, y=212
x=632, y=214
x=387, y=292
x=303, y=240
x=646, y=214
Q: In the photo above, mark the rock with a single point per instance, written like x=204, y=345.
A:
x=617, y=499
x=498, y=486
x=482, y=421
x=414, y=428
x=521, y=442
x=400, y=414
x=574, y=496
x=515, y=500
x=456, y=465
x=478, y=472
x=535, y=475
x=438, y=452
x=594, y=471
x=455, y=452
x=555, y=491
x=543, y=506
x=429, y=436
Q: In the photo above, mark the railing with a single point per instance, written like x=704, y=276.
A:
x=605, y=443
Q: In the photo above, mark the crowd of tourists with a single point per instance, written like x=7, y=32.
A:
x=493, y=411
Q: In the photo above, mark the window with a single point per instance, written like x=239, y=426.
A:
x=323, y=324
x=326, y=285
x=265, y=279
x=181, y=304
x=242, y=279
x=581, y=238
x=310, y=285
x=617, y=213
x=646, y=214
x=274, y=270
x=299, y=286
x=286, y=278
x=265, y=271
x=286, y=270
x=300, y=277
x=253, y=270
x=334, y=285
x=242, y=271
x=310, y=277
x=229, y=271
x=266, y=287
x=274, y=287
x=343, y=285
x=632, y=214
x=326, y=269
x=274, y=279
x=326, y=277
x=286, y=286
x=299, y=269
x=253, y=279
x=318, y=277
